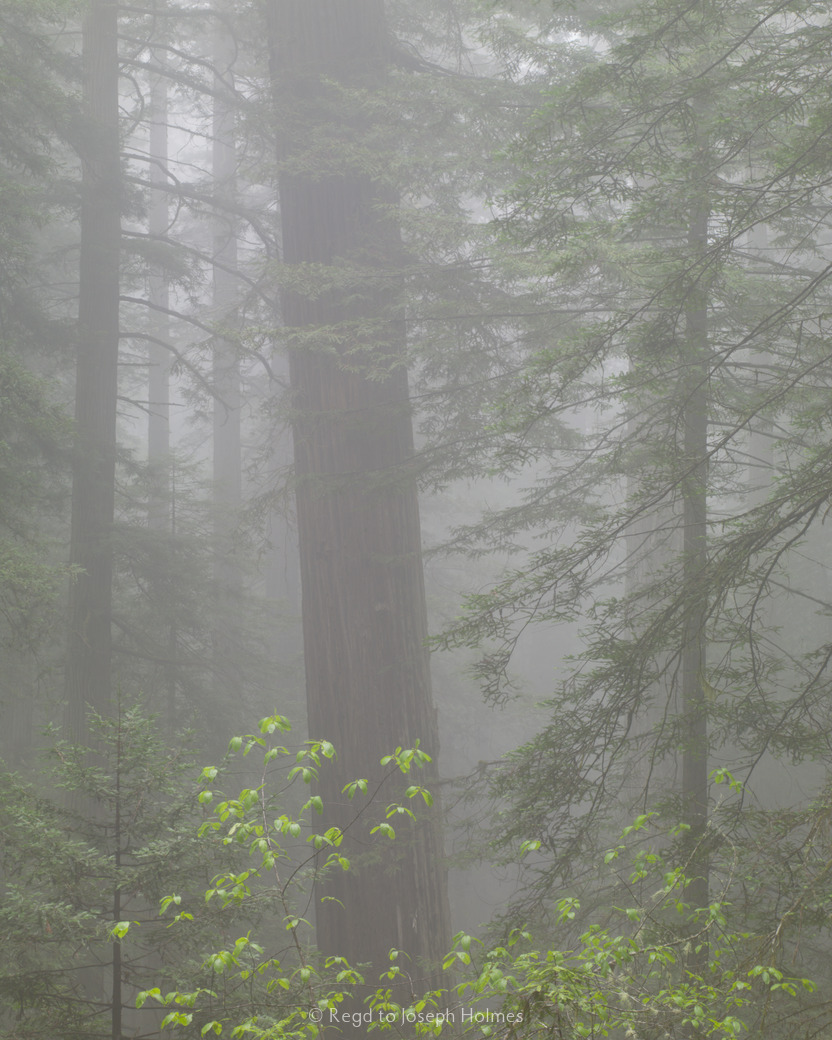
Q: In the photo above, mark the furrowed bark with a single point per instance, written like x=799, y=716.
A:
x=362, y=587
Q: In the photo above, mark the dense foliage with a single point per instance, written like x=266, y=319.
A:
x=630, y=973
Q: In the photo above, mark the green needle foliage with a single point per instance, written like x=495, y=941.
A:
x=33, y=430
x=80, y=918
x=668, y=229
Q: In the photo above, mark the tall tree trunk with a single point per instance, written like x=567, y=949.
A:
x=695, y=556
x=362, y=590
x=158, y=425
x=226, y=365
x=117, y=1001
x=280, y=571
x=160, y=507
x=88, y=681
x=761, y=432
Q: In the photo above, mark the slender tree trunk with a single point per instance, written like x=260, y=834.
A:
x=695, y=555
x=761, y=439
x=226, y=365
x=158, y=432
x=160, y=508
x=362, y=590
x=88, y=681
x=282, y=580
x=117, y=1003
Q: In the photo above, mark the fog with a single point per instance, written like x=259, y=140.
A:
x=414, y=474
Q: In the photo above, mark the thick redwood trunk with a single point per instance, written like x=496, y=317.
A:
x=88, y=652
x=363, y=604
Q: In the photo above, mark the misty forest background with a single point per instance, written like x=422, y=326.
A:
x=382, y=375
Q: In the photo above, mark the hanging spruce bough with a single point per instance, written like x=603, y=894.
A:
x=672, y=219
